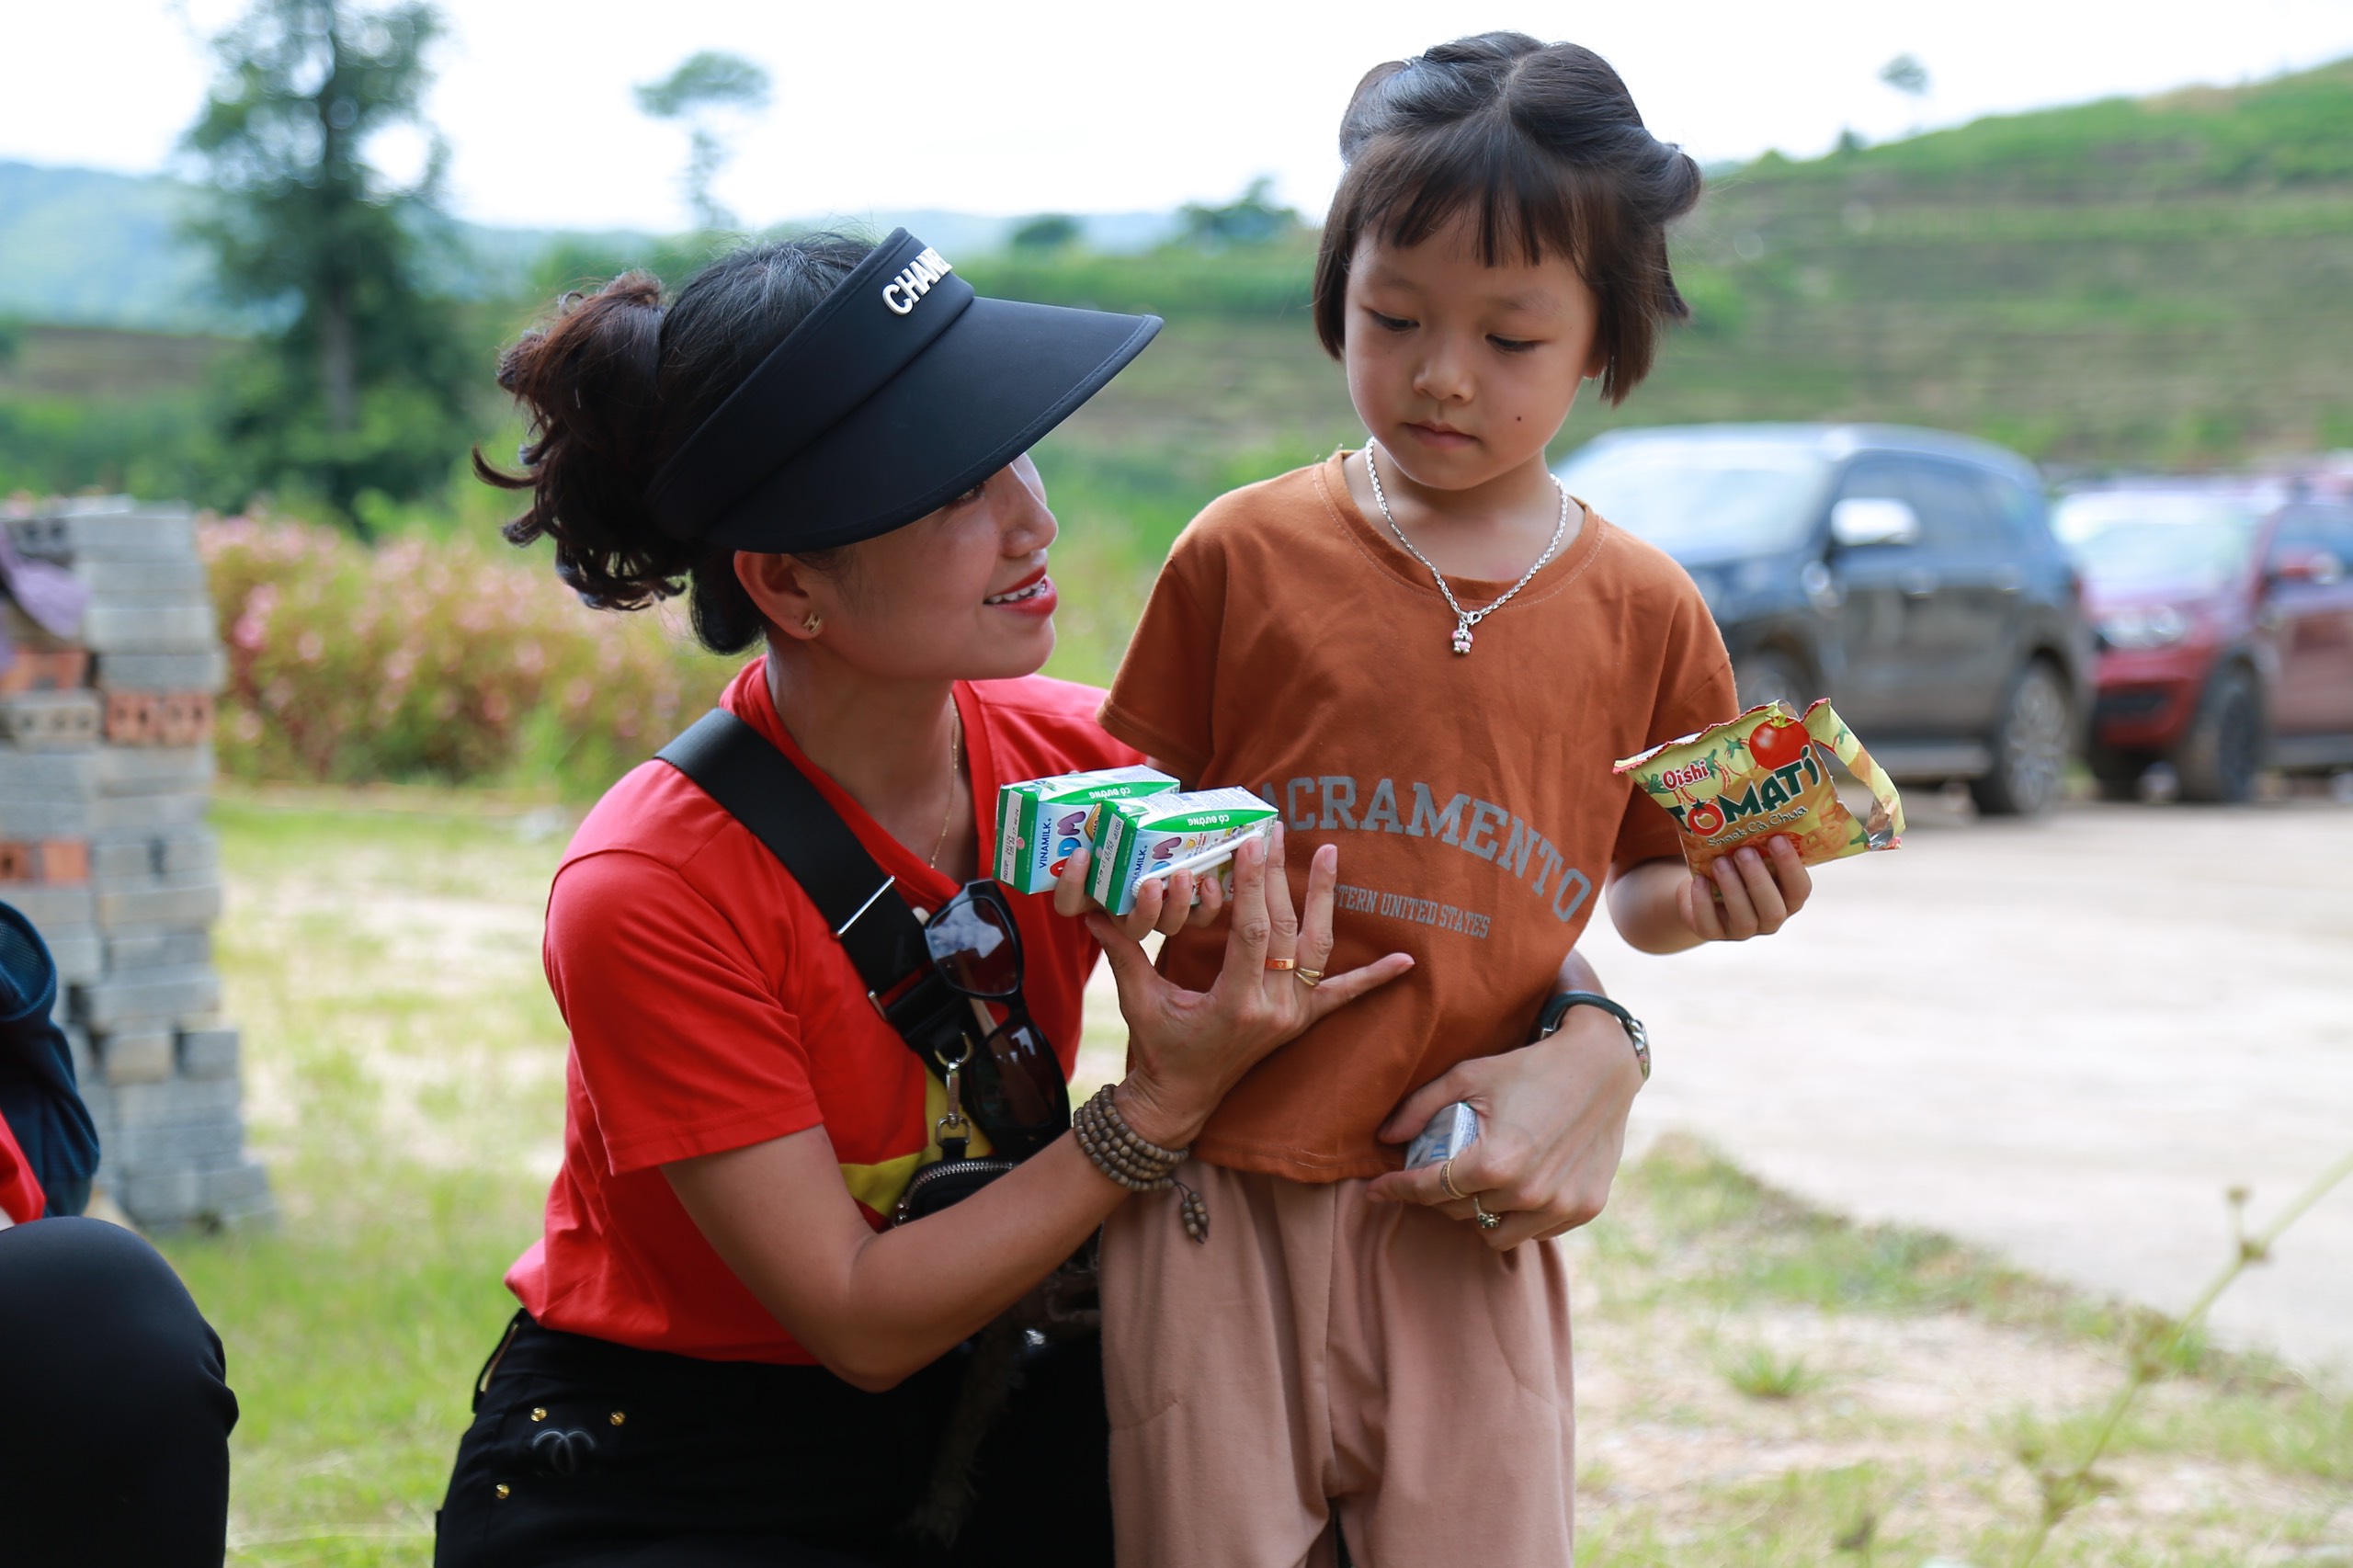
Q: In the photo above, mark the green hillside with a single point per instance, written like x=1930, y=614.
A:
x=2161, y=282
x=2165, y=282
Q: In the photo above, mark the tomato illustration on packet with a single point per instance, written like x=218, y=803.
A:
x=1764, y=773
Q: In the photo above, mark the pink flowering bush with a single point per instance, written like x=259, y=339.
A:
x=436, y=659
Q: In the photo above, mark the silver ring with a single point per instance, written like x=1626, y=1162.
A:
x=1486, y=1222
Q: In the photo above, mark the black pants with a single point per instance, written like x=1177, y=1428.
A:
x=114, y=1414
x=586, y=1452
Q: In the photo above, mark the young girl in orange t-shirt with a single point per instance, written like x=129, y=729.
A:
x=1428, y=651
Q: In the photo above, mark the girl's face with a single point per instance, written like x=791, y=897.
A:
x=1464, y=371
x=959, y=593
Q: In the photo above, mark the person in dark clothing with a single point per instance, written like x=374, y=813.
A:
x=115, y=1412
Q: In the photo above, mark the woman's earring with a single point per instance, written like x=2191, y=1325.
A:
x=811, y=622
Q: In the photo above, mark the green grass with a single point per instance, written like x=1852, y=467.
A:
x=1760, y=1383
x=406, y=1086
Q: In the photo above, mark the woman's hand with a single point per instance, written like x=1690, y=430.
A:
x=1551, y=1128
x=1165, y=905
x=1187, y=1048
x=1661, y=908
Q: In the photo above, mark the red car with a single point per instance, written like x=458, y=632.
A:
x=2225, y=633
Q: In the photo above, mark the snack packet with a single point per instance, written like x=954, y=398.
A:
x=1743, y=781
x=1042, y=821
x=1158, y=835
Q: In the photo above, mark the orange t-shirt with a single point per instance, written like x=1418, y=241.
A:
x=1293, y=647
x=710, y=1008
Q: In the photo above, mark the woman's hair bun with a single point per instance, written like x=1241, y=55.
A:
x=614, y=384
x=586, y=382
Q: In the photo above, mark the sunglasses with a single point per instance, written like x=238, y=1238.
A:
x=1013, y=1081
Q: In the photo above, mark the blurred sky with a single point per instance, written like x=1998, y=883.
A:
x=1100, y=108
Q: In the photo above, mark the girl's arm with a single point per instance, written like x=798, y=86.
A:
x=877, y=1307
x=1661, y=908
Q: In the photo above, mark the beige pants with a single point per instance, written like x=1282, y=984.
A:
x=1325, y=1356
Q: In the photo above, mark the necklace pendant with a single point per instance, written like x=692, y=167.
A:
x=1461, y=639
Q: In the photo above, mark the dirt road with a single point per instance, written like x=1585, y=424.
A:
x=2065, y=1039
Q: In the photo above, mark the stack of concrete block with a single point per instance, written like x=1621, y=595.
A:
x=106, y=775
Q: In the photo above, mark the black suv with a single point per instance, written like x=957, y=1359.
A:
x=1909, y=576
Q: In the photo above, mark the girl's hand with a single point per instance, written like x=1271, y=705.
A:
x=1187, y=1048
x=1660, y=907
x=1748, y=895
x=1551, y=1127
x=1163, y=905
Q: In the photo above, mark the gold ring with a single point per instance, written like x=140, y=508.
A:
x=1311, y=978
x=1282, y=963
x=1446, y=1181
x=1486, y=1222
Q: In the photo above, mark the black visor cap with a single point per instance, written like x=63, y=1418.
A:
x=902, y=390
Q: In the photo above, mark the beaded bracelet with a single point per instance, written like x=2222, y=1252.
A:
x=1136, y=1162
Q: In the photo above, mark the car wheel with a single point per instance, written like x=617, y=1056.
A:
x=1768, y=676
x=2220, y=760
x=2117, y=773
x=2030, y=747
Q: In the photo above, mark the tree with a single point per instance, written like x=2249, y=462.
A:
x=1252, y=219
x=364, y=386
x=1046, y=233
x=1906, y=75
x=703, y=85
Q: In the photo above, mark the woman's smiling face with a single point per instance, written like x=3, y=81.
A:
x=1463, y=372
x=961, y=593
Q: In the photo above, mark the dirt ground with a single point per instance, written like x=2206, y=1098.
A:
x=2064, y=1039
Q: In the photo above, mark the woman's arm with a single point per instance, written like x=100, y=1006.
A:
x=1552, y=1125
x=876, y=1307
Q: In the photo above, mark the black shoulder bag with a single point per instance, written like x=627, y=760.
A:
x=929, y=985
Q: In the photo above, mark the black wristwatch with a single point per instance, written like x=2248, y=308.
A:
x=1548, y=1022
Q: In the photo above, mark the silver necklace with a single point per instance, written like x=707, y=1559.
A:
x=1464, y=619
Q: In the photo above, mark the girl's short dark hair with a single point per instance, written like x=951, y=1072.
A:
x=1543, y=143
x=615, y=383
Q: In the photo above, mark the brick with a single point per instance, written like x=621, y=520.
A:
x=135, y=1056
x=179, y=1101
x=130, y=951
x=119, y=581
x=51, y=721
x=138, y=629
x=51, y=862
x=118, y=814
x=52, y=908
x=167, y=1145
x=137, y=997
x=78, y=951
x=162, y=1197
x=45, y=669
x=153, y=770
x=210, y=1054
x=196, y=670
x=35, y=777
x=159, y=718
x=237, y=1189
x=107, y=528
x=162, y=904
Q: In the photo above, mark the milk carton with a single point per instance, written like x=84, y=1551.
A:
x=1041, y=821
x=1158, y=835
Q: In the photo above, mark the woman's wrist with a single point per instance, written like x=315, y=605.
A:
x=1148, y=1111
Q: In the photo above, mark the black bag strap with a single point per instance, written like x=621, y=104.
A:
x=759, y=787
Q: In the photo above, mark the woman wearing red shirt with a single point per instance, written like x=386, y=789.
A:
x=726, y=1353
